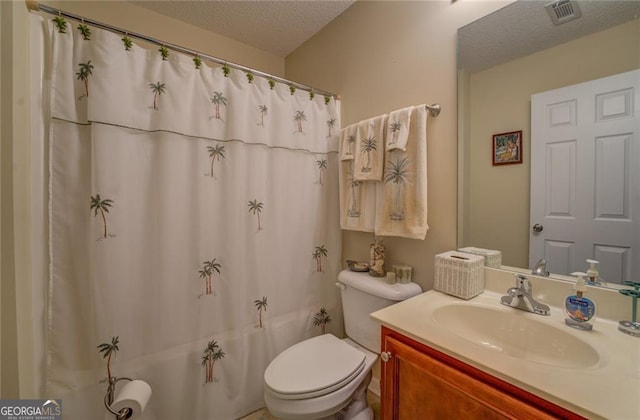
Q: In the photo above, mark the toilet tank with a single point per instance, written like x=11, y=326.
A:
x=362, y=295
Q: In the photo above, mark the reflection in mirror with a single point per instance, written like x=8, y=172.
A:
x=503, y=59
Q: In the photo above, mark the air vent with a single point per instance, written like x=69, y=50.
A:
x=563, y=11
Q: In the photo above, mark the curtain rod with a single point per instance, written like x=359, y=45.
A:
x=35, y=6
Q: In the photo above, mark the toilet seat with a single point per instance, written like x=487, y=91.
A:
x=314, y=367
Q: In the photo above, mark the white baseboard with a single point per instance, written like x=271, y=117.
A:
x=374, y=386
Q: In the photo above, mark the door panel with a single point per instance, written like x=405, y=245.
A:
x=585, y=181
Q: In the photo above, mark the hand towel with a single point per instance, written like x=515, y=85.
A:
x=357, y=200
x=369, y=153
x=398, y=129
x=348, y=138
x=401, y=198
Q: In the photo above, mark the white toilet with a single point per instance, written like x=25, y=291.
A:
x=324, y=376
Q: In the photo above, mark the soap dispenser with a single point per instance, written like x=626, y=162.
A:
x=592, y=273
x=580, y=311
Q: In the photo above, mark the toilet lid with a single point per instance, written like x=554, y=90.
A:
x=313, y=367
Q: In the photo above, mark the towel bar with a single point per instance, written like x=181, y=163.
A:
x=434, y=109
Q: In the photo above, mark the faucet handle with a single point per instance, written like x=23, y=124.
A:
x=522, y=282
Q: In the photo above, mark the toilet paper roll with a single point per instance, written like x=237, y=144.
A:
x=134, y=395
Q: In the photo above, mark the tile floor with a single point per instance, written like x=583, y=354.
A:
x=263, y=414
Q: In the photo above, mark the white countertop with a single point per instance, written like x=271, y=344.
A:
x=608, y=389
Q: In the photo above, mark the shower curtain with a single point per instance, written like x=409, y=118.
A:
x=193, y=224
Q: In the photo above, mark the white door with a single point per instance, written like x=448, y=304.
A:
x=585, y=177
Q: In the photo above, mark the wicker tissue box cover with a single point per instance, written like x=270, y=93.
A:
x=459, y=274
x=492, y=258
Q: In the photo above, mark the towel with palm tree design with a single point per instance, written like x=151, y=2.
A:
x=369, y=149
x=401, y=198
x=348, y=142
x=398, y=128
x=357, y=200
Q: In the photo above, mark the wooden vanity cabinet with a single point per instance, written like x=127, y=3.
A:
x=419, y=382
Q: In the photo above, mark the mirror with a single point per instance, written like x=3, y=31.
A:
x=504, y=58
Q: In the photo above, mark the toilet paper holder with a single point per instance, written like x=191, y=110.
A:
x=124, y=413
x=132, y=397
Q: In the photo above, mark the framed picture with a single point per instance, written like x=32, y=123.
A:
x=507, y=148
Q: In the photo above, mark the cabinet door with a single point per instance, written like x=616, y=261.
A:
x=421, y=383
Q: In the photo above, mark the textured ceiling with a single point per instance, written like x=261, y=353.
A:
x=278, y=27
x=524, y=27
x=281, y=26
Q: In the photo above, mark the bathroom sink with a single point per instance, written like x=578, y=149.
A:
x=538, y=354
x=516, y=334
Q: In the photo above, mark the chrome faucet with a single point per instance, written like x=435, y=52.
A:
x=540, y=269
x=520, y=297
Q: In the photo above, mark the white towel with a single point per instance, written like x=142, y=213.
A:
x=348, y=137
x=369, y=153
x=398, y=128
x=401, y=198
x=357, y=200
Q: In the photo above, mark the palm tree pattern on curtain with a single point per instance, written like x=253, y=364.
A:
x=86, y=70
x=209, y=268
x=299, y=118
x=109, y=350
x=217, y=151
x=210, y=354
x=318, y=253
x=322, y=166
x=397, y=173
x=218, y=99
x=157, y=89
x=321, y=319
x=263, y=112
x=255, y=207
x=261, y=306
x=330, y=124
x=101, y=205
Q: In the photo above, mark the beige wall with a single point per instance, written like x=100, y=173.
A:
x=15, y=308
x=498, y=205
x=381, y=56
